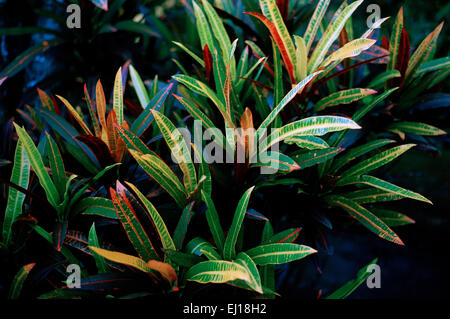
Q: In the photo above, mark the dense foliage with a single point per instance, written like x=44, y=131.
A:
x=100, y=180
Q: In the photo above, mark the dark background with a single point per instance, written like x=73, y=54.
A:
x=417, y=270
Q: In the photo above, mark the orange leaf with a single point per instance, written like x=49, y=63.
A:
x=274, y=32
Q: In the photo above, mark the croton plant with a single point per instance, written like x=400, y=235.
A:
x=169, y=187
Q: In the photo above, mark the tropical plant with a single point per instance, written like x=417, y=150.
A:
x=144, y=209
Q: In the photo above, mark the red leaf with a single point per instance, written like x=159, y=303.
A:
x=403, y=58
x=59, y=234
x=260, y=84
x=273, y=31
x=99, y=148
x=385, y=43
x=207, y=58
x=291, y=237
x=283, y=6
x=134, y=108
x=319, y=83
x=55, y=103
x=266, y=64
x=102, y=4
x=142, y=216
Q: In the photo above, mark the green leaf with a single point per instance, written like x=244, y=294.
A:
x=315, y=22
x=38, y=166
x=158, y=222
x=392, y=218
x=271, y=11
x=95, y=206
x=394, y=44
x=75, y=115
x=342, y=97
x=422, y=53
x=56, y=165
x=182, y=226
x=19, y=63
x=255, y=280
x=376, y=25
x=278, y=78
x=357, y=152
x=267, y=271
x=183, y=259
x=203, y=28
x=162, y=174
x=242, y=68
x=434, y=65
x=76, y=148
x=136, y=27
x=139, y=87
x=213, y=222
x=195, y=112
x=202, y=89
x=99, y=175
x=133, y=142
x=286, y=236
x=302, y=58
x=276, y=161
x=210, y=253
x=165, y=270
x=230, y=243
x=371, y=195
x=315, y=157
x=199, y=246
x=217, y=271
x=416, y=128
x=374, y=162
x=93, y=116
x=19, y=280
x=365, y=217
x=118, y=97
x=100, y=262
x=362, y=275
x=145, y=119
x=330, y=35
x=219, y=32
x=267, y=232
x=287, y=98
x=351, y=49
x=307, y=142
x=386, y=186
x=382, y=78
x=192, y=54
x=133, y=228
x=316, y=126
x=368, y=107
x=203, y=171
x=278, y=253
x=280, y=40
x=179, y=149
x=20, y=176
x=46, y=101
